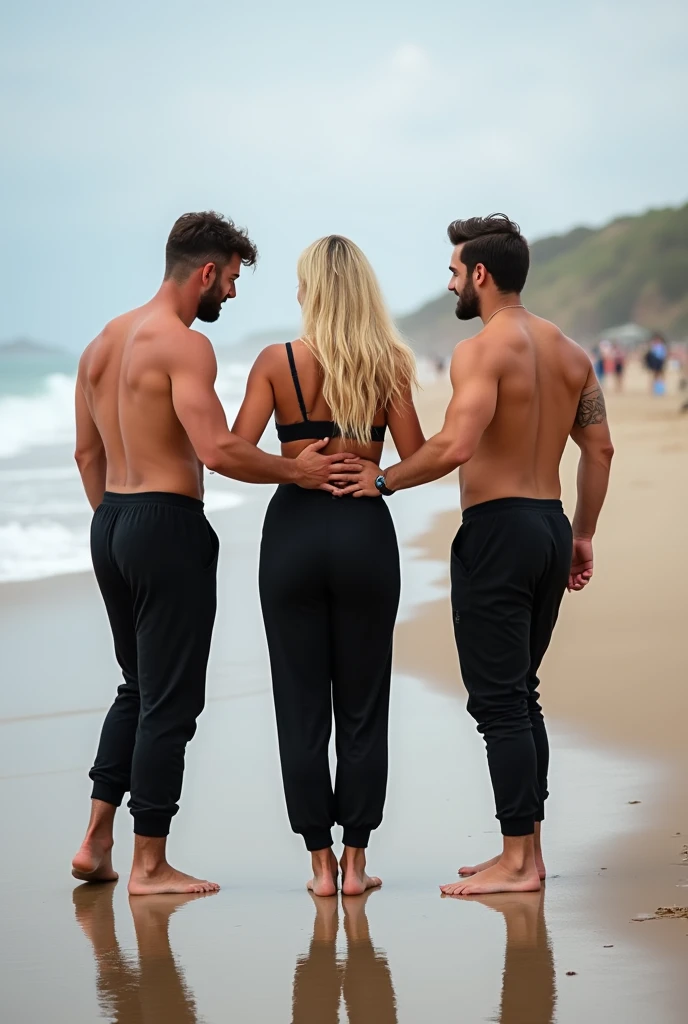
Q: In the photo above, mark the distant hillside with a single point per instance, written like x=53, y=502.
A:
x=634, y=270
x=26, y=347
x=247, y=348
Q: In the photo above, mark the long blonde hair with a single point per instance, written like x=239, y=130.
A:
x=349, y=330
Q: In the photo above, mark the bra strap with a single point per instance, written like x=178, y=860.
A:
x=297, y=384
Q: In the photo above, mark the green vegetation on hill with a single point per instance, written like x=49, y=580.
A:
x=633, y=270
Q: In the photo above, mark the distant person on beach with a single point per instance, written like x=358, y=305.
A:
x=521, y=388
x=655, y=361
x=148, y=420
x=619, y=363
x=598, y=362
x=329, y=570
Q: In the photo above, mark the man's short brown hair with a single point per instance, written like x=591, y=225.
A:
x=200, y=238
x=497, y=243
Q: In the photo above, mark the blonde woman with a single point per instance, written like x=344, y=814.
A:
x=329, y=567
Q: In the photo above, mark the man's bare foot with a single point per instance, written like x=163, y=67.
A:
x=325, y=873
x=165, y=879
x=355, y=881
x=499, y=877
x=151, y=875
x=93, y=862
x=469, y=870
x=473, y=869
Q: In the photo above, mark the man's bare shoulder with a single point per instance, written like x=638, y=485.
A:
x=550, y=332
x=487, y=346
x=96, y=350
x=182, y=348
x=113, y=331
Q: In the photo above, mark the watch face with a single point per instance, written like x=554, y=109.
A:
x=380, y=482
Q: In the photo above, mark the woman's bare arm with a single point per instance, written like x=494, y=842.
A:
x=258, y=404
x=404, y=426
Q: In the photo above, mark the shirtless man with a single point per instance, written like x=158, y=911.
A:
x=520, y=389
x=148, y=420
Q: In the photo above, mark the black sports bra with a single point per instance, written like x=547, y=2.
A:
x=313, y=430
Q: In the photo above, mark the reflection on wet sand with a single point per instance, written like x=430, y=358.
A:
x=529, y=993
x=362, y=976
x=146, y=990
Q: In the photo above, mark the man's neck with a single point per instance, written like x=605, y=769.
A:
x=489, y=306
x=176, y=298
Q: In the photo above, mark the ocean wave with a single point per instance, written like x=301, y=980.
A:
x=31, y=551
x=42, y=419
x=44, y=515
x=220, y=501
x=38, y=474
x=45, y=417
x=215, y=501
x=35, y=550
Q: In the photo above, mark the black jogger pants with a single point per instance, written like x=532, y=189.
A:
x=329, y=589
x=155, y=559
x=510, y=563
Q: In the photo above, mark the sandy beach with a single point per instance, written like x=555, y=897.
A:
x=614, y=690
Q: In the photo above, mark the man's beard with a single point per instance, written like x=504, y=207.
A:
x=210, y=305
x=468, y=306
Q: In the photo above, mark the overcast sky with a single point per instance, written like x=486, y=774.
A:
x=382, y=120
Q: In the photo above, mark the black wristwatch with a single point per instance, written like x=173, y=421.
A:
x=382, y=486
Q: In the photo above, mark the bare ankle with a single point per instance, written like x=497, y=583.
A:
x=322, y=859
x=100, y=835
x=150, y=856
x=101, y=823
x=353, y=857
x=519, y=853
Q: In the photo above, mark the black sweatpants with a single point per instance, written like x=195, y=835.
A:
x=510, y=563
x=155, y=559
x=329, y=588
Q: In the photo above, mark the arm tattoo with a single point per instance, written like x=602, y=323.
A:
x=591, y=408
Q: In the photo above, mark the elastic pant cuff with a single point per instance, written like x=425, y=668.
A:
x=518, y=826
x=151, y=826
x=318, y=840
x=108, y=794
x=358, y=838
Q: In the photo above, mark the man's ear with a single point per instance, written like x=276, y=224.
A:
x=480, y=274
x=208, y=275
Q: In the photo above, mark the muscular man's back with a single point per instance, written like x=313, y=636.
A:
x=124, y=375
x=542, y=375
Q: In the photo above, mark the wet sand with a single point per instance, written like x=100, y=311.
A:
x=263, y=950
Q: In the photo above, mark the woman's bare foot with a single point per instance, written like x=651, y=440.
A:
x=93, y=862
x=499, y=877
x=325, y=872
x=469, y=870
x=165, y=879
x=355, y=881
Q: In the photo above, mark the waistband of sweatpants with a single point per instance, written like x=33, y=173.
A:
x=154, y=498
x=549, y=506
x=324, y=497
